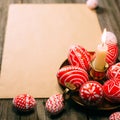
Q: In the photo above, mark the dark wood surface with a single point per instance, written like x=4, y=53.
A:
x=108, y=14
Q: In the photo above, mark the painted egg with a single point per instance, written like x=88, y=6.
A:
x=115, y=116
x=112, y=54
x=111, y=38
x=24, y=102
x=91, y=93
x=72, y=74
x=114, y=71
x=55, y=104
x=79, y=56
x=111, y=89
x=92, y=4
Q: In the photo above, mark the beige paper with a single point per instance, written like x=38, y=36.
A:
x=37, y=40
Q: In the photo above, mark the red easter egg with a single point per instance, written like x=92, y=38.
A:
x=115, y=116
x=55, y=104
x=24, y=102
x=111, y=89
x=79, y=56
x=72, y=74
x=112, y=54
x=91, y=93
x=114, y=71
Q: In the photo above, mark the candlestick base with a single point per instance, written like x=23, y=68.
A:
x=98, y=74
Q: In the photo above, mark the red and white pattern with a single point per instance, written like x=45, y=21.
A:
x=115, y=116
x=55, y=104
x=72, y=74
x=91, y=93
x=112, y=54
x=79, y=56
x=24, y=102
x=114, y=71
x=111, y=90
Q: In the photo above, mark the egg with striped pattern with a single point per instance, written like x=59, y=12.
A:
x=72, y=74
x=112, y=54
x=79, y=56
x=55, y=104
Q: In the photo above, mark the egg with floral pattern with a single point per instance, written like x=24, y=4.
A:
x=115, y=116
x=91, y=93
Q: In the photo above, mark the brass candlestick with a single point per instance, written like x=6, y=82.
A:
x=98, y=74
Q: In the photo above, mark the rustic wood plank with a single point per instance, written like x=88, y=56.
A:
x=54, y=1
x=79, y=1
x=11, y=115
x=75, y=111
x=118, y=4
x=31, y=1
x=3, y=106
x=115, y=13
x=6, y=112
x=43, y=1
x=41, y=109
x=103, y=16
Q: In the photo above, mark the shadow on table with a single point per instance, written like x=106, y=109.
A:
x=100, y=10
x=90, y=111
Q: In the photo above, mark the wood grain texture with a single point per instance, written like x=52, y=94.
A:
x=109, y=16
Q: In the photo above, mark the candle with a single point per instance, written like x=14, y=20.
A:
x=101, y=52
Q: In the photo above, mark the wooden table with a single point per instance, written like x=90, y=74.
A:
x=109, y=16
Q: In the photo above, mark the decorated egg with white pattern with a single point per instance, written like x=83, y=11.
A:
x=91, y=93
x=111, y=89
x=24, y=102
x=114, y=71
x=72, y=74
x=110, y=38
x=115, y=116
x=55, y=104
x=112, y=54
x=79, y=56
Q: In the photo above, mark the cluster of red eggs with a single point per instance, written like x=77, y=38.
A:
x=91, y=92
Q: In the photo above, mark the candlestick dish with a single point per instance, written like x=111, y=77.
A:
x=98, y=74
x=74, y=95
